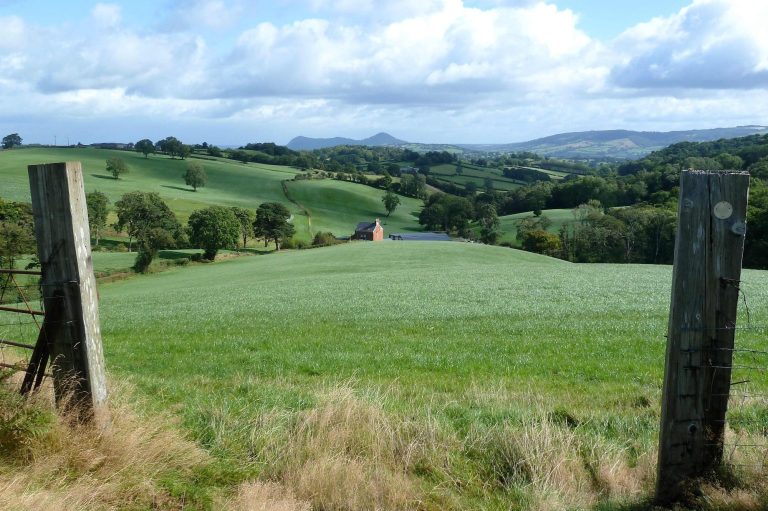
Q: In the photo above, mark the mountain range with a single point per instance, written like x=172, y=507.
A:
x=597, y=145
x=309, y=144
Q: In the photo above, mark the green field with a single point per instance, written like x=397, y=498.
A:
x=463, y=342
x=474, y=174
x=508, y=223
x=339, y=207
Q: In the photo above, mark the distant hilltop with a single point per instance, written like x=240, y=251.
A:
x=308, y=144
x=597, y=145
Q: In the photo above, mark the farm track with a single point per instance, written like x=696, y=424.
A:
x=298, y=205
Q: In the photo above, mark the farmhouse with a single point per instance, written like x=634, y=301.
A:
x=369, y=231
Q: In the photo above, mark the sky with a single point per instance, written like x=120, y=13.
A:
x=230, y=72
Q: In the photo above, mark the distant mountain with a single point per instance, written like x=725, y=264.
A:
x=614, y=144
x=308, y=144
x=592, y=145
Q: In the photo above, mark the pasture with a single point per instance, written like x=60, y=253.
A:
x=430, y=364
x=339, y=207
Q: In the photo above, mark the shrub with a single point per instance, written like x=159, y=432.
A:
x=323, y=239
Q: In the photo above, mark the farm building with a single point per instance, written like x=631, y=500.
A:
x=369, y=231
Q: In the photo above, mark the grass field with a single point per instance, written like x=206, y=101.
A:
x=508, y=223
x=339, y=206
x=412, y=374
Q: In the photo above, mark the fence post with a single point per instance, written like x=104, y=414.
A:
x=69, y=286
x=702, y=318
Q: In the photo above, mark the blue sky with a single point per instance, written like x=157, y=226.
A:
x=234, y=71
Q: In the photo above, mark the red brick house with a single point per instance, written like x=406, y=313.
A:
x=369, y=231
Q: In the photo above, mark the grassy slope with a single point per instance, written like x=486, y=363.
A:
x=471, y=173
x=338, y=206
x=229, y=183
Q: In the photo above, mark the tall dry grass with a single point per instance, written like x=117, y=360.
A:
x=350, y=451
x=49, y=462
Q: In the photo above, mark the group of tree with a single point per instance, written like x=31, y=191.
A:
x=634, y=234
x=147, y=219
x=173, y=147
x=218, y=227
x=11, y=141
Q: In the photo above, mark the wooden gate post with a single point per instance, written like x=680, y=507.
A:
x=69, y=287
x=702, y=319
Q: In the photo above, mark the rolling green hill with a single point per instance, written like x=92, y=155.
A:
x=339, y=207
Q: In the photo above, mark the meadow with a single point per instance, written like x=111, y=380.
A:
x=417, y=375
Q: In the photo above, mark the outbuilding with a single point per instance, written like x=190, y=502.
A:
x=369, y=231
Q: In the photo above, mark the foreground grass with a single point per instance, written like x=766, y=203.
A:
x=422, y=375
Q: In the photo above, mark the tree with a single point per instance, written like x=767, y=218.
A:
x=144, y=146
x=245, y=217
x=116, y=166
x=9, y=141
x=213, y=228
x=146, y=217
x=184, y=150
x=391, y=202
x=214, y=151
x=489, y=223
x=98, y=209
x=17, y=234
x=272, y=223
x=195, y=176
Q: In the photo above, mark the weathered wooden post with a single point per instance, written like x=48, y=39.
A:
x=702, y=320
x=69, y=289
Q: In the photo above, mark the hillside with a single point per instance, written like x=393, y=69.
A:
x=230, y=183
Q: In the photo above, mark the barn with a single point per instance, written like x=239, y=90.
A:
x=369, y=231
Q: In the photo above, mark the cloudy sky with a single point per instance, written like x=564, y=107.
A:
x=237, y=71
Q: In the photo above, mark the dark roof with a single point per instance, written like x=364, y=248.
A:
x=365, y=226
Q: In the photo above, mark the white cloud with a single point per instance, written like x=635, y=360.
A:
x=13, y=30
x=107, y=15
x=499, y=70
x=712, y=44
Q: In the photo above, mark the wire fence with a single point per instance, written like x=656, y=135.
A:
x=746, y=436
x=22, y=312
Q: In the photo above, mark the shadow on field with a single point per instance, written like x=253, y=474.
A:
x=103, y=176
x=182, y=188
